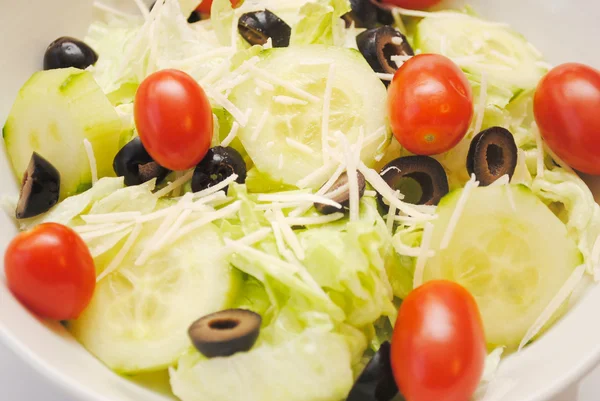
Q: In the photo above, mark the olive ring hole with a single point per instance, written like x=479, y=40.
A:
x=224, y=324
x=389, y=50
x=494, y=156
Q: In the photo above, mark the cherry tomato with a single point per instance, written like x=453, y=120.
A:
x=204, y=7
x=430, y=104
x=174, y=119
x=566, y=108
x=412, y=4
x=50, y=270
x=438, y=345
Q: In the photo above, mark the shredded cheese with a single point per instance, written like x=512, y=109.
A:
x=208, y=218
x=423, y=255
x=278, y=237
x=317, y=177
x=326, y=112
x=232, y=134
x=504, y=180
x=313, y=221
x=263, y=85
x=556, y=302
x=289, y=236
x=384, y=76
x=324, y=190
x=390, y=217
x=284, y=84
x=259, y=127
x=370, y=194
x=299, y=146
x=511, y=198
x=283, y=197
x=482, y=102
x=351, y=172
x=175, y=184
x=101, y=233
x=222, y=101
x=406, y=250
x=414, y=220
x=89, y=150
x=457, y=212
x=397, y=40
x=289, y=101
x=216, y=188
x=110, y=217
x=116, y=262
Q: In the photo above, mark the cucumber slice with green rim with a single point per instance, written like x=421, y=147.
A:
x=283, y=136
x=513, y=263
x=53, y=113
x=139, y=316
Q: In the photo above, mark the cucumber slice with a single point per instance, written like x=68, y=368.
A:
x=506, y=57
x=274, y=130
x=139, y=316
x=52, y=115
x=512, y=261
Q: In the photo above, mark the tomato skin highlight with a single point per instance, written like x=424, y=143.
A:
x=438, y=345
x=51, y=271
x=430, y=104
x=174, y=119
x=567, y=111
x=412, y=4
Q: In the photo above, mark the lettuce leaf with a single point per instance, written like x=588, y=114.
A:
x=320, y=23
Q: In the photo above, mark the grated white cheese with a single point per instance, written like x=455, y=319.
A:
x=234, y=34
x=414, y=220
x=384, y=76
x=299, y=146
x=171, y=231
x=504, y=180
x=351, y=172
x=406, y=250
x=289, y=101
x=231, y=83
x=227, y=211
x=326, y=112
x=216, y=188
x=507, y=59
x=482, y=102
x=511, y=198
x=289, y=236
x=390, y=217
x=283, y=197
x=399, y=60
x=232, y=134
x=114, y=264
x=93, y=227
x=259, y=127
x=101, y=233
x=175, y=184
x=314, y=221
x=263, y=85
x=278, y=237
x=397, y=40
x=322, y=191
x=258, y=91
x=269, y=44
x=540, y=150
x=370, y=194
x=556, y=302
x=222, y=101
x=284, y=84
x=215, y=73
x=270, y=144
x=423, y=255
x=317, y=177
x=110, y=217
x=280, y=205
x=457, y=212
x=386, y=192
x=89, y=150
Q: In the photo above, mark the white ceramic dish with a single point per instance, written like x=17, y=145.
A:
x=565, y=30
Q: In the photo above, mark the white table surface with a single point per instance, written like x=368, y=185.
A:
x=19, y=382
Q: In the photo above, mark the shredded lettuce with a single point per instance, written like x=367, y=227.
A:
x=321, y=23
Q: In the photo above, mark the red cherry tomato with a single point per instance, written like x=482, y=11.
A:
x=438, y=345
x=430, y=104
x=204, y=7
x=174, y=119
x=50, y=270
x=567, y=112
x=412, y=4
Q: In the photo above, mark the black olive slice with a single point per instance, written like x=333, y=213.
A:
x=135, y=164
x=378, y=45
x=67, y=52
x=225, y=333
x=421, y=179
x=340, y=193
x=218, y=164
x=493, y=153
x=376, y=382
x=363, y=14
x=40, y=188
x=258, y=26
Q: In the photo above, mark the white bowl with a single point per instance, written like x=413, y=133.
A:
x=565, y=30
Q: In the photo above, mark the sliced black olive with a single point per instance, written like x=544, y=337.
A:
x=378, y=45
x=340, y=193
x=218, y=164
x=67, y=52
x=364, y=14
x=421, y=179
x=225, y=333
x=376, y=382
x=493, y=153
x=40, y=188
x=135, y=164
x=258, y=26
